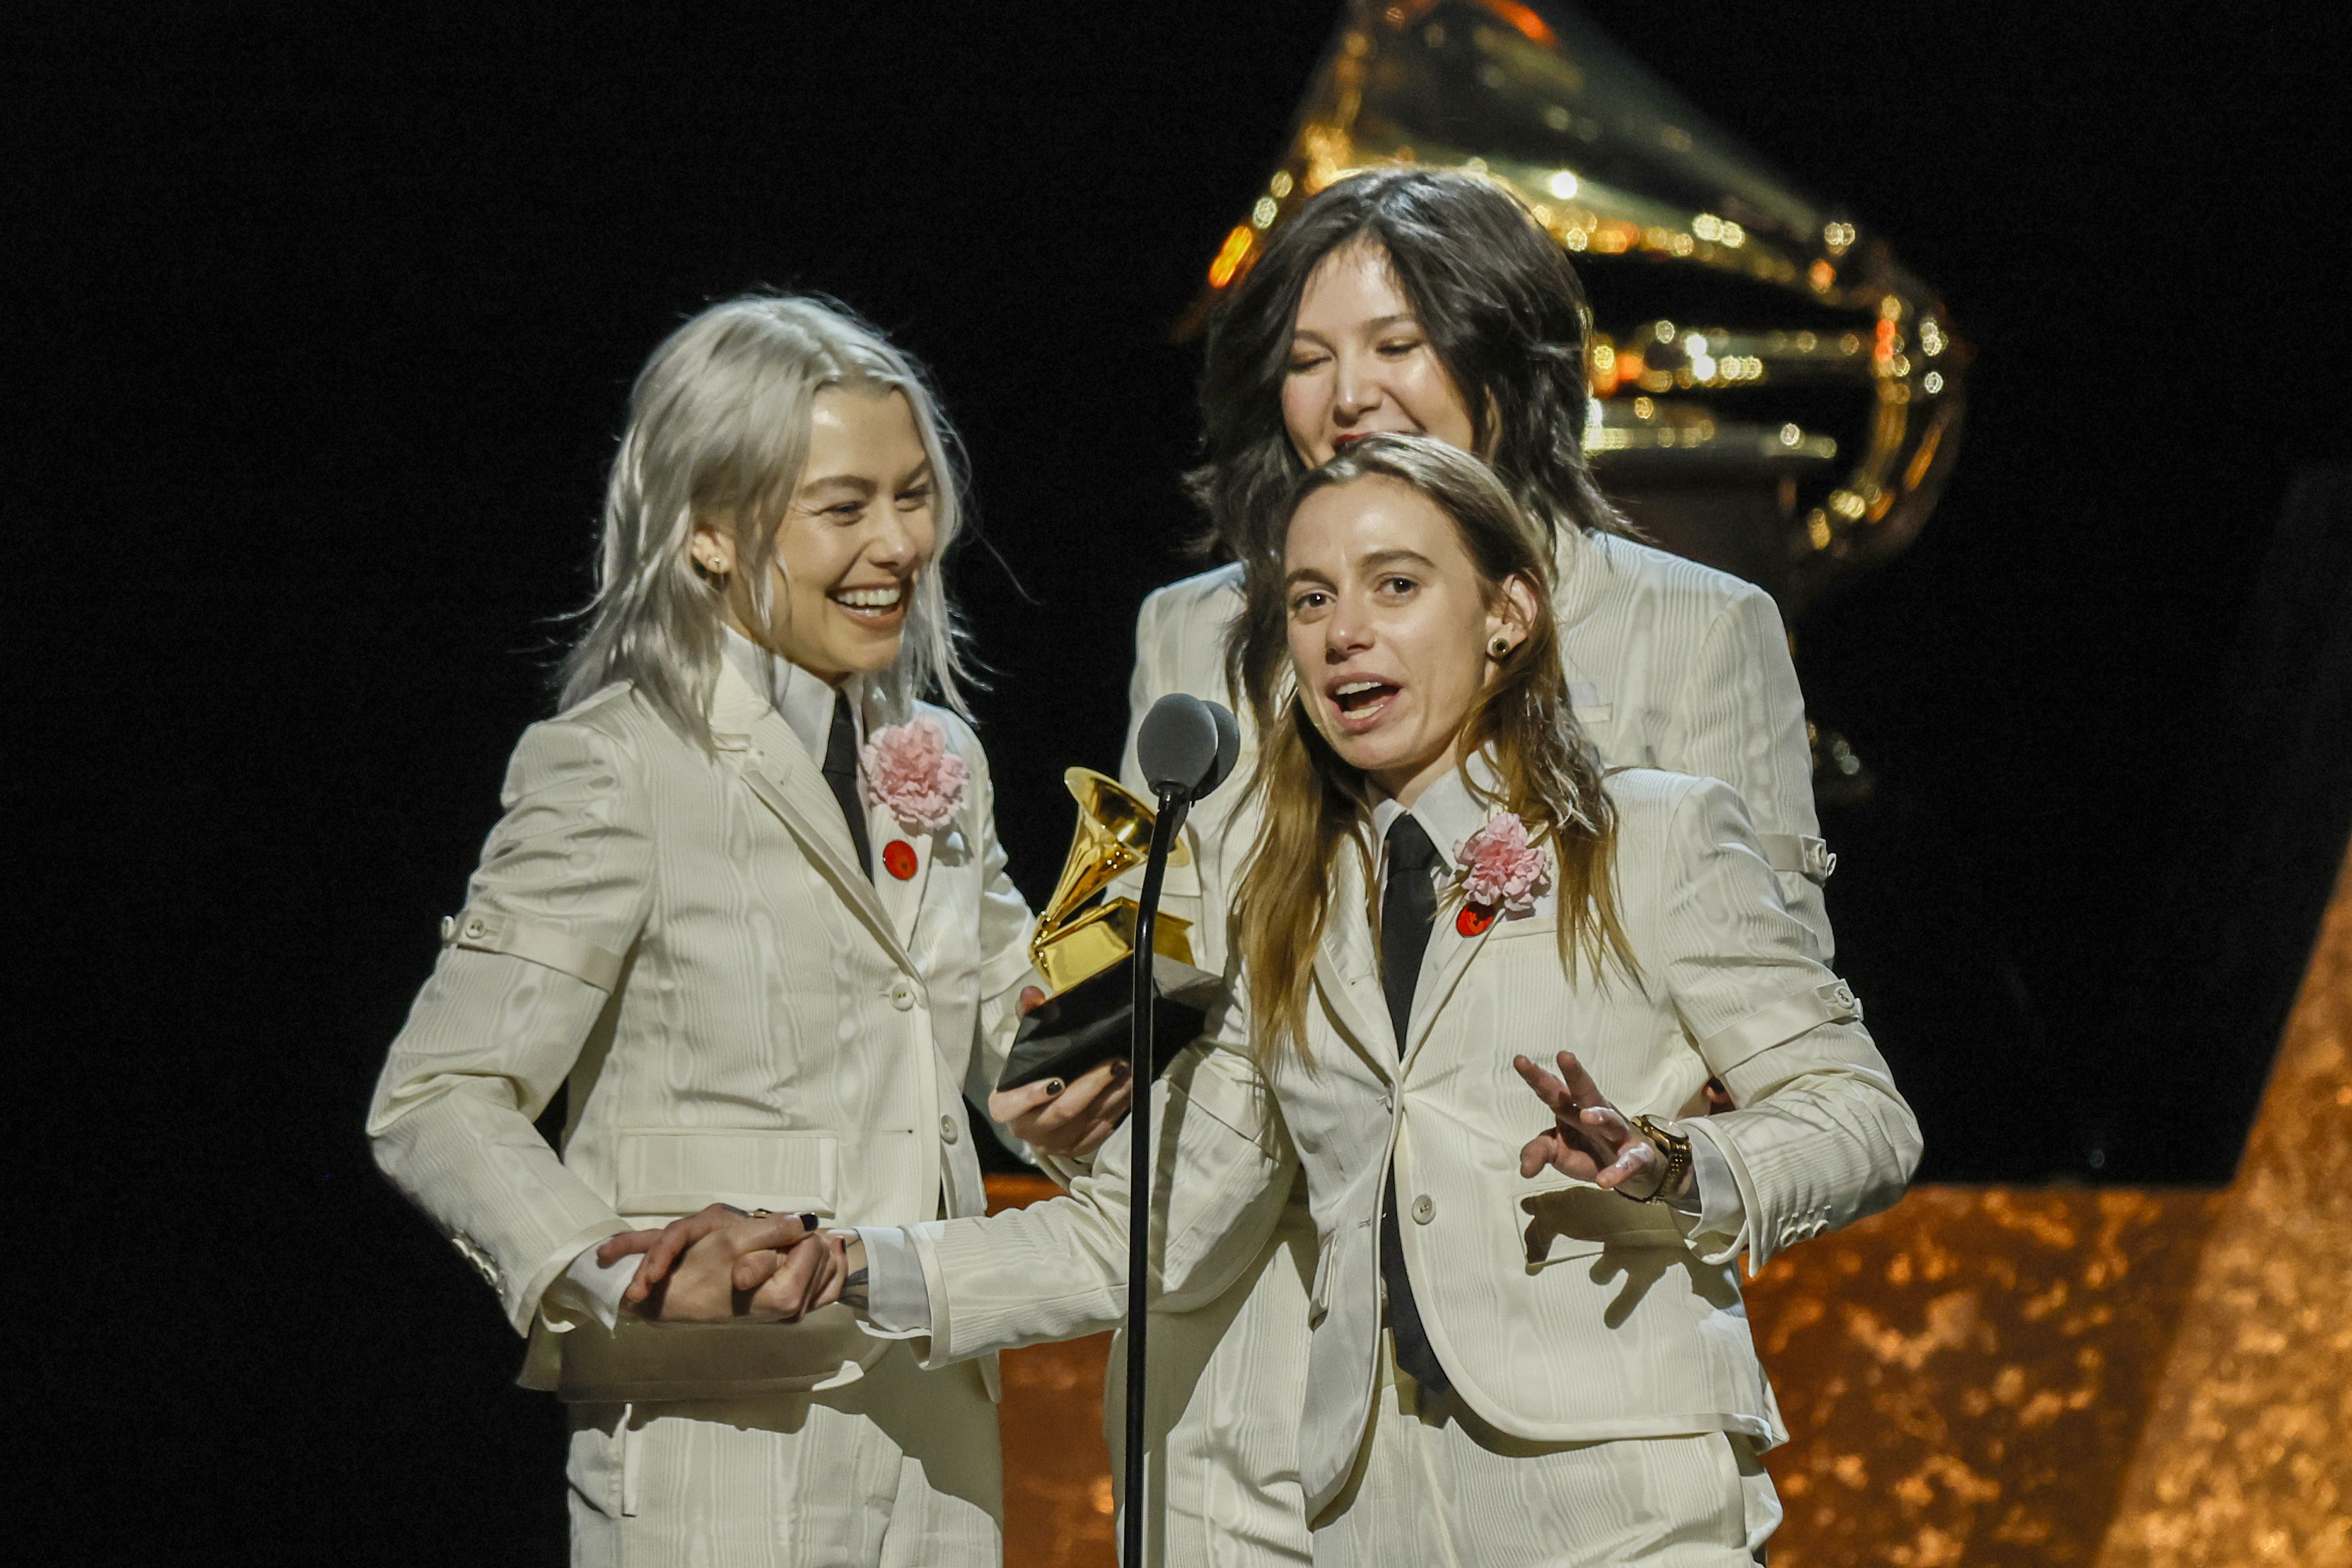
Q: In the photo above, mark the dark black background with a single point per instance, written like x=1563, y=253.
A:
x=320, y=328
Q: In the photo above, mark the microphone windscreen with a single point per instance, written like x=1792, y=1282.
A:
x=1177, y=746
x=1229, y=745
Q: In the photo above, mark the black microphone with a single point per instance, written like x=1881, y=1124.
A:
x=1186, y=749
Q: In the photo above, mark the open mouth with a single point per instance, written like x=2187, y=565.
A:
x=1361, y=702
x=876, y=603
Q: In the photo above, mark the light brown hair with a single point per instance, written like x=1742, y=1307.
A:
x=1312, y=802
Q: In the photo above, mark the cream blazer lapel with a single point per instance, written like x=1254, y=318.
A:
x=902, y=897
x=778, y=769
x=1348, y=975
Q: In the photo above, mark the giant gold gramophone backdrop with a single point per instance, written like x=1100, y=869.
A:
x=1776, y=394
x=323, y=318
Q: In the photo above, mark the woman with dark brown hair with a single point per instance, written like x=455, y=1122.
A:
x=1415, y=301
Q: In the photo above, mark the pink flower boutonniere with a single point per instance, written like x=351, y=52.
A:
x=909, y=768
x=1500, y=870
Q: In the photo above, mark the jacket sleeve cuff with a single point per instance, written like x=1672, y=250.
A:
x=924, y=1241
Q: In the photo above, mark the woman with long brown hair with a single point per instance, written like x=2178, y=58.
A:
x=1522, y=1350
x=1424, y=302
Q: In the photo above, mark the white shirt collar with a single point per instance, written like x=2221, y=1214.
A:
x=803, y=700
x=1447, y=811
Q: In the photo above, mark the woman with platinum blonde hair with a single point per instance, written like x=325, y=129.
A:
x=721, y=429
x=746, y=907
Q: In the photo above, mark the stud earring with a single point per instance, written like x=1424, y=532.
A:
x=1500, y=647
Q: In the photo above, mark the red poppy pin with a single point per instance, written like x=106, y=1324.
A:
x=1473, y=919
x=899, y=860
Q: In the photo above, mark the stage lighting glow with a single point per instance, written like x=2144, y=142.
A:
x=1229, y=258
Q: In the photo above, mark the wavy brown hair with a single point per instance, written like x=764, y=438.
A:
x=1313, y=802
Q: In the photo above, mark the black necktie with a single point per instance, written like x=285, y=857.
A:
x=841, y=774
x=1407, y=909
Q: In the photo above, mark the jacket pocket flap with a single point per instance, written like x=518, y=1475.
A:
x=678, y=1170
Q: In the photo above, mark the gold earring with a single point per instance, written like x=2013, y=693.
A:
x=1500, y=647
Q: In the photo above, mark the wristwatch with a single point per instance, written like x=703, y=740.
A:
x=1678, y=1150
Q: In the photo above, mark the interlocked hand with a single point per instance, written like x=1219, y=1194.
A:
x=722, y=1265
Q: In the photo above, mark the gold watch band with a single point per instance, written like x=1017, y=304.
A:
x=1678, y=1150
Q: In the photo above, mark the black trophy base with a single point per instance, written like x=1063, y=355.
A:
x=1080, y=1028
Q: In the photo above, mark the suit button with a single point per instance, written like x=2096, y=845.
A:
x=902, y=995
x=948, y=1131
x=1424, y=1209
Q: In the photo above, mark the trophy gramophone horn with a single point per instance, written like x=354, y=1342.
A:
x=1113, y=836
x=1774, y=395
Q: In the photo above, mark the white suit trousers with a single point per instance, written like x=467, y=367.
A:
x=1438, y=1486
x=895, y=1470
x=1223, y=1416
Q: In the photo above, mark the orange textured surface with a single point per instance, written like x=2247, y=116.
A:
x=1964, y=1376
x=1963, y=1379
x=1057, y=1494
x=2248, y=1453
x=2120, y=1377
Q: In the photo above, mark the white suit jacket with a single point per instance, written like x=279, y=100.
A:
x=1671, y=664
x=1562, y=1313
x=742, y=1014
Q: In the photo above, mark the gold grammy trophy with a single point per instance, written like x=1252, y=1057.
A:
x=1085, y=944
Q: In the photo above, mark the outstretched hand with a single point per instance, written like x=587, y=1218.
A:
x=1070, y=1120
x=1590, y=1139
x=721, y=1265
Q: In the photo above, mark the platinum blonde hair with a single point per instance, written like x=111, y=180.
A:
x=717, y=434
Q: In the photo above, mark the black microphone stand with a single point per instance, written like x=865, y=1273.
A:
x=1141, y=1051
